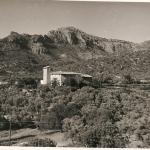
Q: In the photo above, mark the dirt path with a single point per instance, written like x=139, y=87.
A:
x=59, y=138
x=22, y=136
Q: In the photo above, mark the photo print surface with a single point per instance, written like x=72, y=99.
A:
x=74, y=74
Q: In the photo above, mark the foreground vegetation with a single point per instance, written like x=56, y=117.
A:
x=91, y=117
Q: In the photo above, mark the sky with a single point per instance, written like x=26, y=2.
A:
x=125, y=21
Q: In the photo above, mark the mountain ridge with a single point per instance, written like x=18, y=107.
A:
x=73, y=36
x=69, y=48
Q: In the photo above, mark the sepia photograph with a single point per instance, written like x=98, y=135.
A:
x=74, y=74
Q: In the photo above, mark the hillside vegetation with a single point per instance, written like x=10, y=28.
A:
x=91, y=117
x=89, y=114
x=71, y=49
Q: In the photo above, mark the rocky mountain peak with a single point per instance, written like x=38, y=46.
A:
x=76, y=37
x=13, y=36
x=64, y=37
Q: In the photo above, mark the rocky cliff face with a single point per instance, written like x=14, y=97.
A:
x=145, y=45
x=81, y=39
x=16, y=41
x=64, y=37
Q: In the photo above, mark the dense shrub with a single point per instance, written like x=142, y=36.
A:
x=4, y=123
x=89, y=116
x=36, y=142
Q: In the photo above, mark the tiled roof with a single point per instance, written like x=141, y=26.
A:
x=86, y=75
x=69, y=73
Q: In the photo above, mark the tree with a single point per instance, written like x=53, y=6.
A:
x=105, y=135
x=55, y=83
x=4, y=123
x=128, y=79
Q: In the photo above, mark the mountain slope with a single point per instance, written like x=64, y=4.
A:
x=63, y=37
x=71, y=49
x=73, y=36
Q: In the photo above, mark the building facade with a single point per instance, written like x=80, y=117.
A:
x=61, y=76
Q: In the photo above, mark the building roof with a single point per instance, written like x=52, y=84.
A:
x=69, y=73
x=86, y=75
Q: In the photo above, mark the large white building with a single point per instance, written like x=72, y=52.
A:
x=61, y=76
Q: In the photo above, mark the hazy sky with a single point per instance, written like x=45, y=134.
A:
x=127, y=21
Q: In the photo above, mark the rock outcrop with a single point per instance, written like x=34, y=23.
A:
x=63, y=37
x=73, y=36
